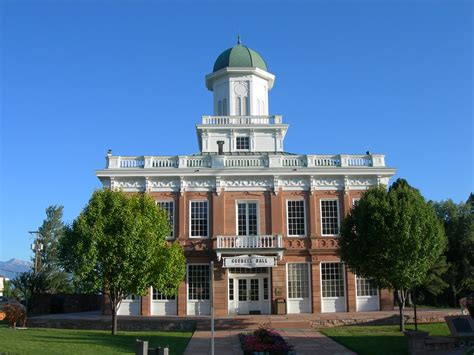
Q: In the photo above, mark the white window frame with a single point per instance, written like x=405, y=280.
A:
x=187, y=282
x=190, y=222
x=308, y=265
x=356, y=288
x=338, y=216
x=354, y=201
x=343, y=279
x=242, y=149
x=163, y=297
x=288, y=216
x=237, y=216
x=172, y=236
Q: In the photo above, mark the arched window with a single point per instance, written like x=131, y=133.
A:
x=224, y=107
x=238, y=106
x=245, y=106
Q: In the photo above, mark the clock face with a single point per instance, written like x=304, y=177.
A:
x=240, y=89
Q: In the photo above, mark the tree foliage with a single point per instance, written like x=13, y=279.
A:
x=393, y=237
x=458, y=221
x=117, y=245
x=50, y=232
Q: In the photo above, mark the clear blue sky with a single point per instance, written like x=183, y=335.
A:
x=79, y=77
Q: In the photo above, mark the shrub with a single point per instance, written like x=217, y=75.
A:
x=264, y=339
x=15, y=313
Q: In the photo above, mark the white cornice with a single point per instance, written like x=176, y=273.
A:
x=240, y=71
x=239, y=182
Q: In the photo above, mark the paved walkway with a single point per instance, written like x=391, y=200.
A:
x=226, y=342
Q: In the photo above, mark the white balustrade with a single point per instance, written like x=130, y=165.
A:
x=198, y=162
x=131, y=162
x=293, y=161
x=241, y=120
x=245, y=161
x=250, y=242
x=164, y=162
x=324, y=160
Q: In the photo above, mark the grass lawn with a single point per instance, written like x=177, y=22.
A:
x=68, y=341
x=368, y=340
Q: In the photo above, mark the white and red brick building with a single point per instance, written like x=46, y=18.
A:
x=267, y=218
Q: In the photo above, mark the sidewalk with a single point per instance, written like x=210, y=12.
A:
x=226, y=342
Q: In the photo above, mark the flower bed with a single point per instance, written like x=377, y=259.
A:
x=265, y=341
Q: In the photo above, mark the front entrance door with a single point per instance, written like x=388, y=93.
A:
x=248, y=295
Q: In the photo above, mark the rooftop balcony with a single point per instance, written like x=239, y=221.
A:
x=263, y=244
x=242, y=120
x=244, y=161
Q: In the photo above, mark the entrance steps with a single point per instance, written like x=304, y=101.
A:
x=253, y=322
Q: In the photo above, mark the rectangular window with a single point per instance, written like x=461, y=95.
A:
x=298, y=280
x=254, y=289
x=131, y=297
x=231, y=289
x=329, y=217
x=242, y=289
x=296, y=217
x=355, y=201
x=247, y=221
x=265, y=288
x=366, y=287
x=198, y=219
x=168, y=207
x=332, y=279
x=198, y=282
x=242, y=143
x=158, y=296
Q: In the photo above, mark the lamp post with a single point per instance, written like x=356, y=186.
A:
x=36, y=247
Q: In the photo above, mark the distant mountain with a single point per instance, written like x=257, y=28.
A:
x=13, y=267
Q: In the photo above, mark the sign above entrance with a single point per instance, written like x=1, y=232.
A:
x=249, y=261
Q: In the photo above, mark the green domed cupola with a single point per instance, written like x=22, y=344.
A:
x=239, y=56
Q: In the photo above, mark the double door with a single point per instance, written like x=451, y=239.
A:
x=248, y=295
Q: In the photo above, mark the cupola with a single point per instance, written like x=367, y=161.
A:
x=240, y=82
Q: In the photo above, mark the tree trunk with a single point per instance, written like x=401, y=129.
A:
x=113, y=305
x=401, y=298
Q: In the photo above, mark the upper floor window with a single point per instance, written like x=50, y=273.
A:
x=296, y=220
x=242, y=143
x=329, y=217
x=198, y=219
x=219, y=107
x=247, y=219
x=168, y=207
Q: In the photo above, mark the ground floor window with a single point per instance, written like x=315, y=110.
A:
x=158, y=296
x=332, y=279
x=198, y=282
x=366, y=287
x=131, y=297
x=298, y=280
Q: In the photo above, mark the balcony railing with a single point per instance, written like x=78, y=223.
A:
x=241, y=120
x=250, y=242
x=253, y=161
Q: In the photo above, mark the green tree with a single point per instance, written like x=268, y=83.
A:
x=458, y=221
x=50, y=277
x=7, y=289
x=117, y=245
x=49, y=234
x=393, y=237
